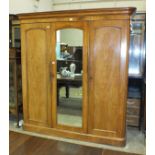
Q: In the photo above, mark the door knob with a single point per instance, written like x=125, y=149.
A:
x=51, y=68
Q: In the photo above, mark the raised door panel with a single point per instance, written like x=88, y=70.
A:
x=35, y=60
x=108, y=77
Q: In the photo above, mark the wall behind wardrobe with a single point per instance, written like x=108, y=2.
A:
x=24, y=6
x=82, y=4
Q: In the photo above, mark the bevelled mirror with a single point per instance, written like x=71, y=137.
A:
x=69, y=47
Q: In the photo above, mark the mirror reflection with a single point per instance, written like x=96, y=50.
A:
x=69, y=76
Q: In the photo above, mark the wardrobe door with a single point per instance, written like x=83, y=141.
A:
x=35, y=67
x=70, y=80
x=108, y=77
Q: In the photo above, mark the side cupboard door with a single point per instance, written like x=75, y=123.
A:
x=108, y=77
x=36, y=40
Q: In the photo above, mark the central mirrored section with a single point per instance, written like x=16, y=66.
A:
x=69, y=47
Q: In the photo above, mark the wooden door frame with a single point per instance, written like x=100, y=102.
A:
x=83, y=26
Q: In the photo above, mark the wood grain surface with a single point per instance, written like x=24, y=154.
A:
x=20, y=144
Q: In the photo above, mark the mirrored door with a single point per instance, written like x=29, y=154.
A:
x=69, y=79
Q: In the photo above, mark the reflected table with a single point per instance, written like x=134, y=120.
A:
x=67, y=82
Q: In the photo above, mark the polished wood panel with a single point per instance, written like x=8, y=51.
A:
x=78, y=15
x=35, y=63
x=20, y=144
x=24, y=145
x=16, y=140
x=108, y=77
x=75, y=135
x=109, y=152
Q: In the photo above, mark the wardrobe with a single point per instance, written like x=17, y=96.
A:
x=84, y=97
